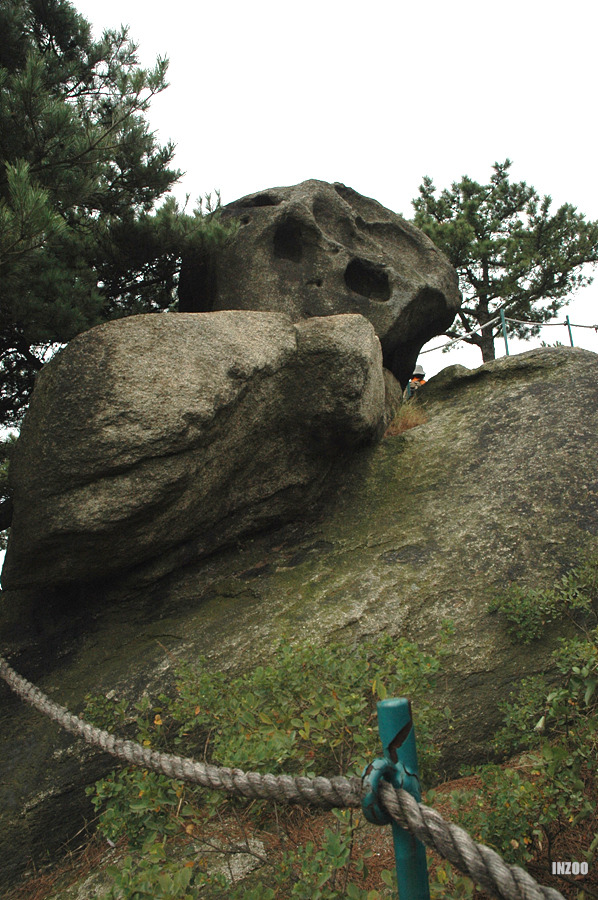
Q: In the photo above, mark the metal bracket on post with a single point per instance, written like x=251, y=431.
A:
x=398, y=767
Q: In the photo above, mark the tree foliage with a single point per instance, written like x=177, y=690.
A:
x=80, y=174
x=509, y=250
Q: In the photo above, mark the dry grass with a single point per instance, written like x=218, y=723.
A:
x=299, y=826
x=93, y=855
x=410, y=415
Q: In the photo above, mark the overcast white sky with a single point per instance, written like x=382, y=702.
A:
x=377, y=95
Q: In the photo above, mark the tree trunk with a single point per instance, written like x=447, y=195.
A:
x=487, y=345
x=5, y=514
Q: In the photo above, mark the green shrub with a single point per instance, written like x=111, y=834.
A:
x=529, y=611
x=310, y=710
x=520, y=811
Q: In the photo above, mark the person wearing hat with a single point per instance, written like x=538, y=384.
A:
x=417, y=379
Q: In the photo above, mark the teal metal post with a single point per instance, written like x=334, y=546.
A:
x=570, y=332
x=504, y=330
x=400, y=768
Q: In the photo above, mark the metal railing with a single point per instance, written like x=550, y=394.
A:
x=503, y=319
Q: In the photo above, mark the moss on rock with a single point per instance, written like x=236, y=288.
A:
x=499, y=486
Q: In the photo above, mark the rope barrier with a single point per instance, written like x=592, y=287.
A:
x=480, y=328
x=467, y=334
x=540, y=324
x=483, y=865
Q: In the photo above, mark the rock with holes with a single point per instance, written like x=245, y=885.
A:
x=319, y=249
x=159, y=438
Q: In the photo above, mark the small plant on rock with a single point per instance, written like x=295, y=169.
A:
x=532, y=805
x=528, y=611
x=410, y=414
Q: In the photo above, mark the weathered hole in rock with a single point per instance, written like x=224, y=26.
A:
x=368, y=279
x=421, y=320
x=263, y=200
x=288, y=240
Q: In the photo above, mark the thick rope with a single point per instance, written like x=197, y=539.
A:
x=324, y=792
x=480, y=863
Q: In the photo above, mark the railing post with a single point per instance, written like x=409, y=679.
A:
x=570, y=332
x=504, y=330
x=400, y=768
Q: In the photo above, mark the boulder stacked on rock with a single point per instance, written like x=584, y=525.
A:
x=319, y=249
x=499, y=486
x=163, y=437
x=158, y=439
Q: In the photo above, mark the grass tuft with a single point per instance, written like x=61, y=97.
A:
x=410, y=415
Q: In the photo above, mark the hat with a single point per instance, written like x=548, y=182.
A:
x=419, y=370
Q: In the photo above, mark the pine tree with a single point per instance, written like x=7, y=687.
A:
x=79, y=168
x=510, y=252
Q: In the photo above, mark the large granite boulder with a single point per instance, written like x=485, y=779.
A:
x=499, y=485
x=159, y=438
x=319, y=249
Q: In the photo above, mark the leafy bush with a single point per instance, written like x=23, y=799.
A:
x=522, y=811
x=529, y=611
x=524, y=808
x=311, y=710
x=445, y=882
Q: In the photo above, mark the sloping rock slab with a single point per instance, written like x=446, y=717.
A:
x=500, y=485
x=164, y=437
